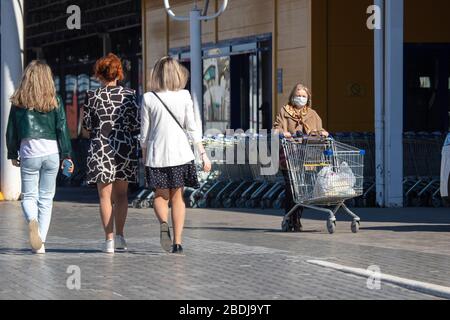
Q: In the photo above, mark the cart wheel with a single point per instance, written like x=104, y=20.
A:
x=144, y=204
x=365, y=203
x=135, y=204
x=360, y=202
x=215, y=203
x=436, y=202
x=189, y=202
x=252, y=204
x=277, y=204
x=355, y=226
x=406, y=201
x=227, y=203
x=241, y=203
x=203, y=203
x=416, y=201
x=263, y=204
x=285, y=226
x=351, y=203
x=331, y=226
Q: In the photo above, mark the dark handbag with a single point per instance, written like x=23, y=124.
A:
x=170, y=112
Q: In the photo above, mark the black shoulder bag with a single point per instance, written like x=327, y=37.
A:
x=170, y=112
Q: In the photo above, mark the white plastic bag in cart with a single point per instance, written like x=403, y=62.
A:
x=330, y=184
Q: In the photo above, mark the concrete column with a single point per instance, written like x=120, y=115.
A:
x=196, y=65
x=379, y=108
x=389, y=104
x=11, y=71
x=394, y=103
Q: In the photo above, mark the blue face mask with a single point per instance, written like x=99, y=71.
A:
x=300, y=101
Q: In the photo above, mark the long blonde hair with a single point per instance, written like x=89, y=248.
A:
x=36, y=90
x=168, y=74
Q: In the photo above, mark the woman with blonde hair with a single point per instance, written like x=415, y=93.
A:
x=297, y=116
x=167, y=113
x=36, y=135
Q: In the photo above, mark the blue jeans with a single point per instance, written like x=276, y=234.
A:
x=38, y=189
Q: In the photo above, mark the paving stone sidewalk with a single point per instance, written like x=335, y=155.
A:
x=229, y=255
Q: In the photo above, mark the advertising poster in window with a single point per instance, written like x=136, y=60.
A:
x=216, y=92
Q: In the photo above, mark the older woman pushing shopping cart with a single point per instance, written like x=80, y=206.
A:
x=323, y=173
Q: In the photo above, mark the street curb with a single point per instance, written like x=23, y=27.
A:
x=423, y=287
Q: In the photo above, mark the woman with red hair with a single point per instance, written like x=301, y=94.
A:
x=111, y=115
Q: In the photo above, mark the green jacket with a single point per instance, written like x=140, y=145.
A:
x=24, y=123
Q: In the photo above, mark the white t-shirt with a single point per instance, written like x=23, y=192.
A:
x=34, y=148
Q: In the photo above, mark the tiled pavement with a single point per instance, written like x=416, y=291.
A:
x=229, y=255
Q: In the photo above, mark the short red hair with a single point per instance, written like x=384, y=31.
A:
x=109, y=68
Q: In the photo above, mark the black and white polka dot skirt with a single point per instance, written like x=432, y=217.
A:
x=173, y=177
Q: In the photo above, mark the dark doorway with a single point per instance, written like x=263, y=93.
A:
x=427, y=87
x=237, y=83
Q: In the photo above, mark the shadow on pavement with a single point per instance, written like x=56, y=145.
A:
x=76, y=194
x=87, y=194
x=256, y=230
x=412, y=228
x=441, y=216
x=15, y=251
x=73, y=251
x=396, y=215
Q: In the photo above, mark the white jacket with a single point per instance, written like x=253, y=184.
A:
x=166, y=143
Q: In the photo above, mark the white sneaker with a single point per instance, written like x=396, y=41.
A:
x=35, y=239
x=108, y=246
x=41, y=250
x=121, y=244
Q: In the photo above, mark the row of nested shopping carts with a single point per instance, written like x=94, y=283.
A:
x=241, y=185
x=235, y=183
x=323, y=173
x=422, y=153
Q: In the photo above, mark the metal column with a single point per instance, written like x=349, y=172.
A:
x=195, y=18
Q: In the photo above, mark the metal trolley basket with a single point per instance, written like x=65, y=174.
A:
x=324, y=174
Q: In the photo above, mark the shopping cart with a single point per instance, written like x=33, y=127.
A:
x=323, y=173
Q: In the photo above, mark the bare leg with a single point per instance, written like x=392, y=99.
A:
x=178, y=213
x=120, y=210
x=161, y=204
x=105, y=192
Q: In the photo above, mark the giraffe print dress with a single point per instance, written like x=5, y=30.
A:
x=111, y=115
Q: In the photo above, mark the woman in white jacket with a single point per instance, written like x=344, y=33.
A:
x=167, y=114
